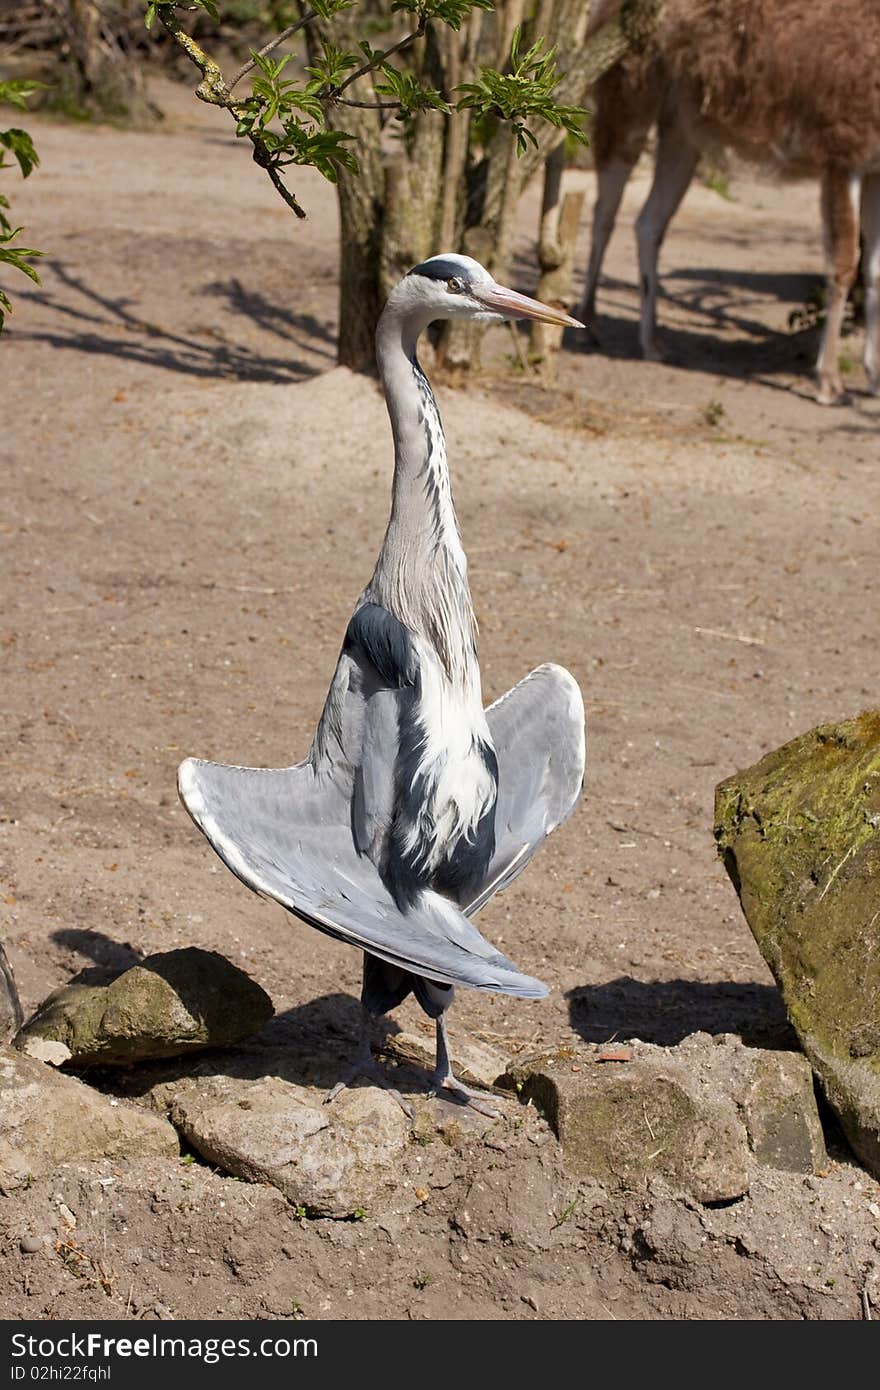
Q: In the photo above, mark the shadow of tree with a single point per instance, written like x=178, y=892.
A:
x=665, y=1011
x=92, y=322
x=718, y=300
x=273, y=318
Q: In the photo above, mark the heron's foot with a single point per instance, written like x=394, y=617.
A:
x=368, y=1069
x=464, y=1094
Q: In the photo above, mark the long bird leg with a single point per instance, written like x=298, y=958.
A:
x=444, y=1080
x=365, y=1064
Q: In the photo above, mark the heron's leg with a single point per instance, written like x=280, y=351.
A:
x=365, y=1064
x=443, y=1078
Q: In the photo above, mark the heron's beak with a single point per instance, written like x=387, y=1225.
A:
x=511, y=305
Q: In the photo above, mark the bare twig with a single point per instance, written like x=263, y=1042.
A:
x=417, y=33
x=277, y=182
x=268, y=47
x=368, y=105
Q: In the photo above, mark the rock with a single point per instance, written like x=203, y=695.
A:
x=334, y=1160
x=168, y=1004
x=29, y=1245
x=474, y=1063
x=10, y=1005
x=640, y=1120
x=799, y=834
x=47, y=1118
x=775, y=1095
x=697, y=1115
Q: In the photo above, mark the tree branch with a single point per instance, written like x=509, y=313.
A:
x=214, y=90
x=369, y=105
x=274, y=175
x=273, y=43
x=418, y=33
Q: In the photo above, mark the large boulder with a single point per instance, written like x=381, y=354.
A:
x=168, y=1004
x=698, y=1115
x=799, y=834
x=47, y=1119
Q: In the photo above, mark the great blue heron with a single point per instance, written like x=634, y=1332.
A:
x=415, y=805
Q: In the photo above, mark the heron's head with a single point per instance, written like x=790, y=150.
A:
x=450, y=286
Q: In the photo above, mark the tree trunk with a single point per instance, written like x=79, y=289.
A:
x=428, y=192
x=560, y=217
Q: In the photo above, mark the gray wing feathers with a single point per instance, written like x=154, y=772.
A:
x=538, y=732
x=373, y=799
x=286, y=833
x=307, y=836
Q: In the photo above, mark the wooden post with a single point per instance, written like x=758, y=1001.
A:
x=560, y=218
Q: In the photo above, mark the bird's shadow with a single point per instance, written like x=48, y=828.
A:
x=664, y=1012
x=313, y=1045
x=110, y=958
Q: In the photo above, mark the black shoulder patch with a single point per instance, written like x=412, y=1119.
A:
x=439, y=270
x=386, y=642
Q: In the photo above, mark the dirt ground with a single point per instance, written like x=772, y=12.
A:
x=195, y=496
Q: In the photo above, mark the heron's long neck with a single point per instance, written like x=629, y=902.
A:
x=421, y=570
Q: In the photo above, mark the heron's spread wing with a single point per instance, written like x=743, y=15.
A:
x=538, y=732
x=287, y=833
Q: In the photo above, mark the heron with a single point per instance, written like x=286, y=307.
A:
x=415, y=805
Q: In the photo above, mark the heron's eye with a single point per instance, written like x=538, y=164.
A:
x=456, y=285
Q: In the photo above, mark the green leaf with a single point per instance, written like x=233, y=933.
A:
x=16, y=92
x=150, y=15
x=406, y=90
x=524, y=93
x=210, y=8
x=325, y=9
x=16, y=257
x=331, y=67
x=20, y=144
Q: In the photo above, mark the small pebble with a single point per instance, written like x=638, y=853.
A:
x=29, y=1245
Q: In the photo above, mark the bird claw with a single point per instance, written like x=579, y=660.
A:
x=373, y=1073
x=466, y=1096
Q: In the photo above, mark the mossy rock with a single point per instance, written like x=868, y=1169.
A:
x=799, y=834
x=168, y=1004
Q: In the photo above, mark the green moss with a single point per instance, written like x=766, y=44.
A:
x=799, y=834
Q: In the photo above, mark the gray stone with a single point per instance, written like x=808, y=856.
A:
x=168, y=1004
x=799, y=834
x=29, y=1245
x=10, y=1006
x=777, y=1102
x=696, y=1115
x=47, y=1118
x=474, y=1063
x=334, y=1160
x=624, y=1124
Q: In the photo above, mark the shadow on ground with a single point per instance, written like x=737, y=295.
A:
x=83, y=319
x=665, y=1011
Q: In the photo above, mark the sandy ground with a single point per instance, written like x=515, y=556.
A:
x=196, y=495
